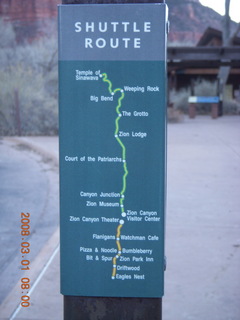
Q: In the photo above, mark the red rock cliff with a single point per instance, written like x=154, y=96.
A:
x=28, y=10
x=28, y=16
x=188, y=18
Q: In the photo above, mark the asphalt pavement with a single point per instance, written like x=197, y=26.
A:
x=202, y=279
x=21, y=175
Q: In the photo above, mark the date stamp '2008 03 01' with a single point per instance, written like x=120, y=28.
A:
x=25, y=262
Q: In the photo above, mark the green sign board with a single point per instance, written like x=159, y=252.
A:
x=112, y=64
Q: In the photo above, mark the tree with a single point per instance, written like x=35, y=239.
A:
x=226, y=24
x=227, y=36
x=224, y=71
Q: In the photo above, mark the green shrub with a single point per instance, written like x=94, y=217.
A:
x=231, y=107
x=179, y=98
x=28, y=90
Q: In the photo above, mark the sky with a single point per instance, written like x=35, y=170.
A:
x=219, y=6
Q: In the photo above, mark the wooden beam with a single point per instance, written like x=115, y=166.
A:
x=207, y=71
x=224, y=55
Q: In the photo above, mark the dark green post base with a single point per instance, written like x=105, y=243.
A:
x=98, y=308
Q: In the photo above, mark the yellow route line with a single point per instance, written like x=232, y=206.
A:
x=119, y=230
x=124, y=178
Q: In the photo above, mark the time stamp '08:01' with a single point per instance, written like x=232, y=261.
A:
x=25, y=250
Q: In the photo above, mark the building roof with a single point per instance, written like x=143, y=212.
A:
x=213, y=37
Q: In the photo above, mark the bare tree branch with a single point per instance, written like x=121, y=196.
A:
x=226, y=24
x=234, y=34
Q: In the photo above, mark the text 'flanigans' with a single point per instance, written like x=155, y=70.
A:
x=123, y=31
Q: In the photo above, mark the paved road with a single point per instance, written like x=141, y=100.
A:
x=203, y=220
x=27, y=182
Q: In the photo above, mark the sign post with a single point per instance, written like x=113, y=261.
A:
x=112, y=106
